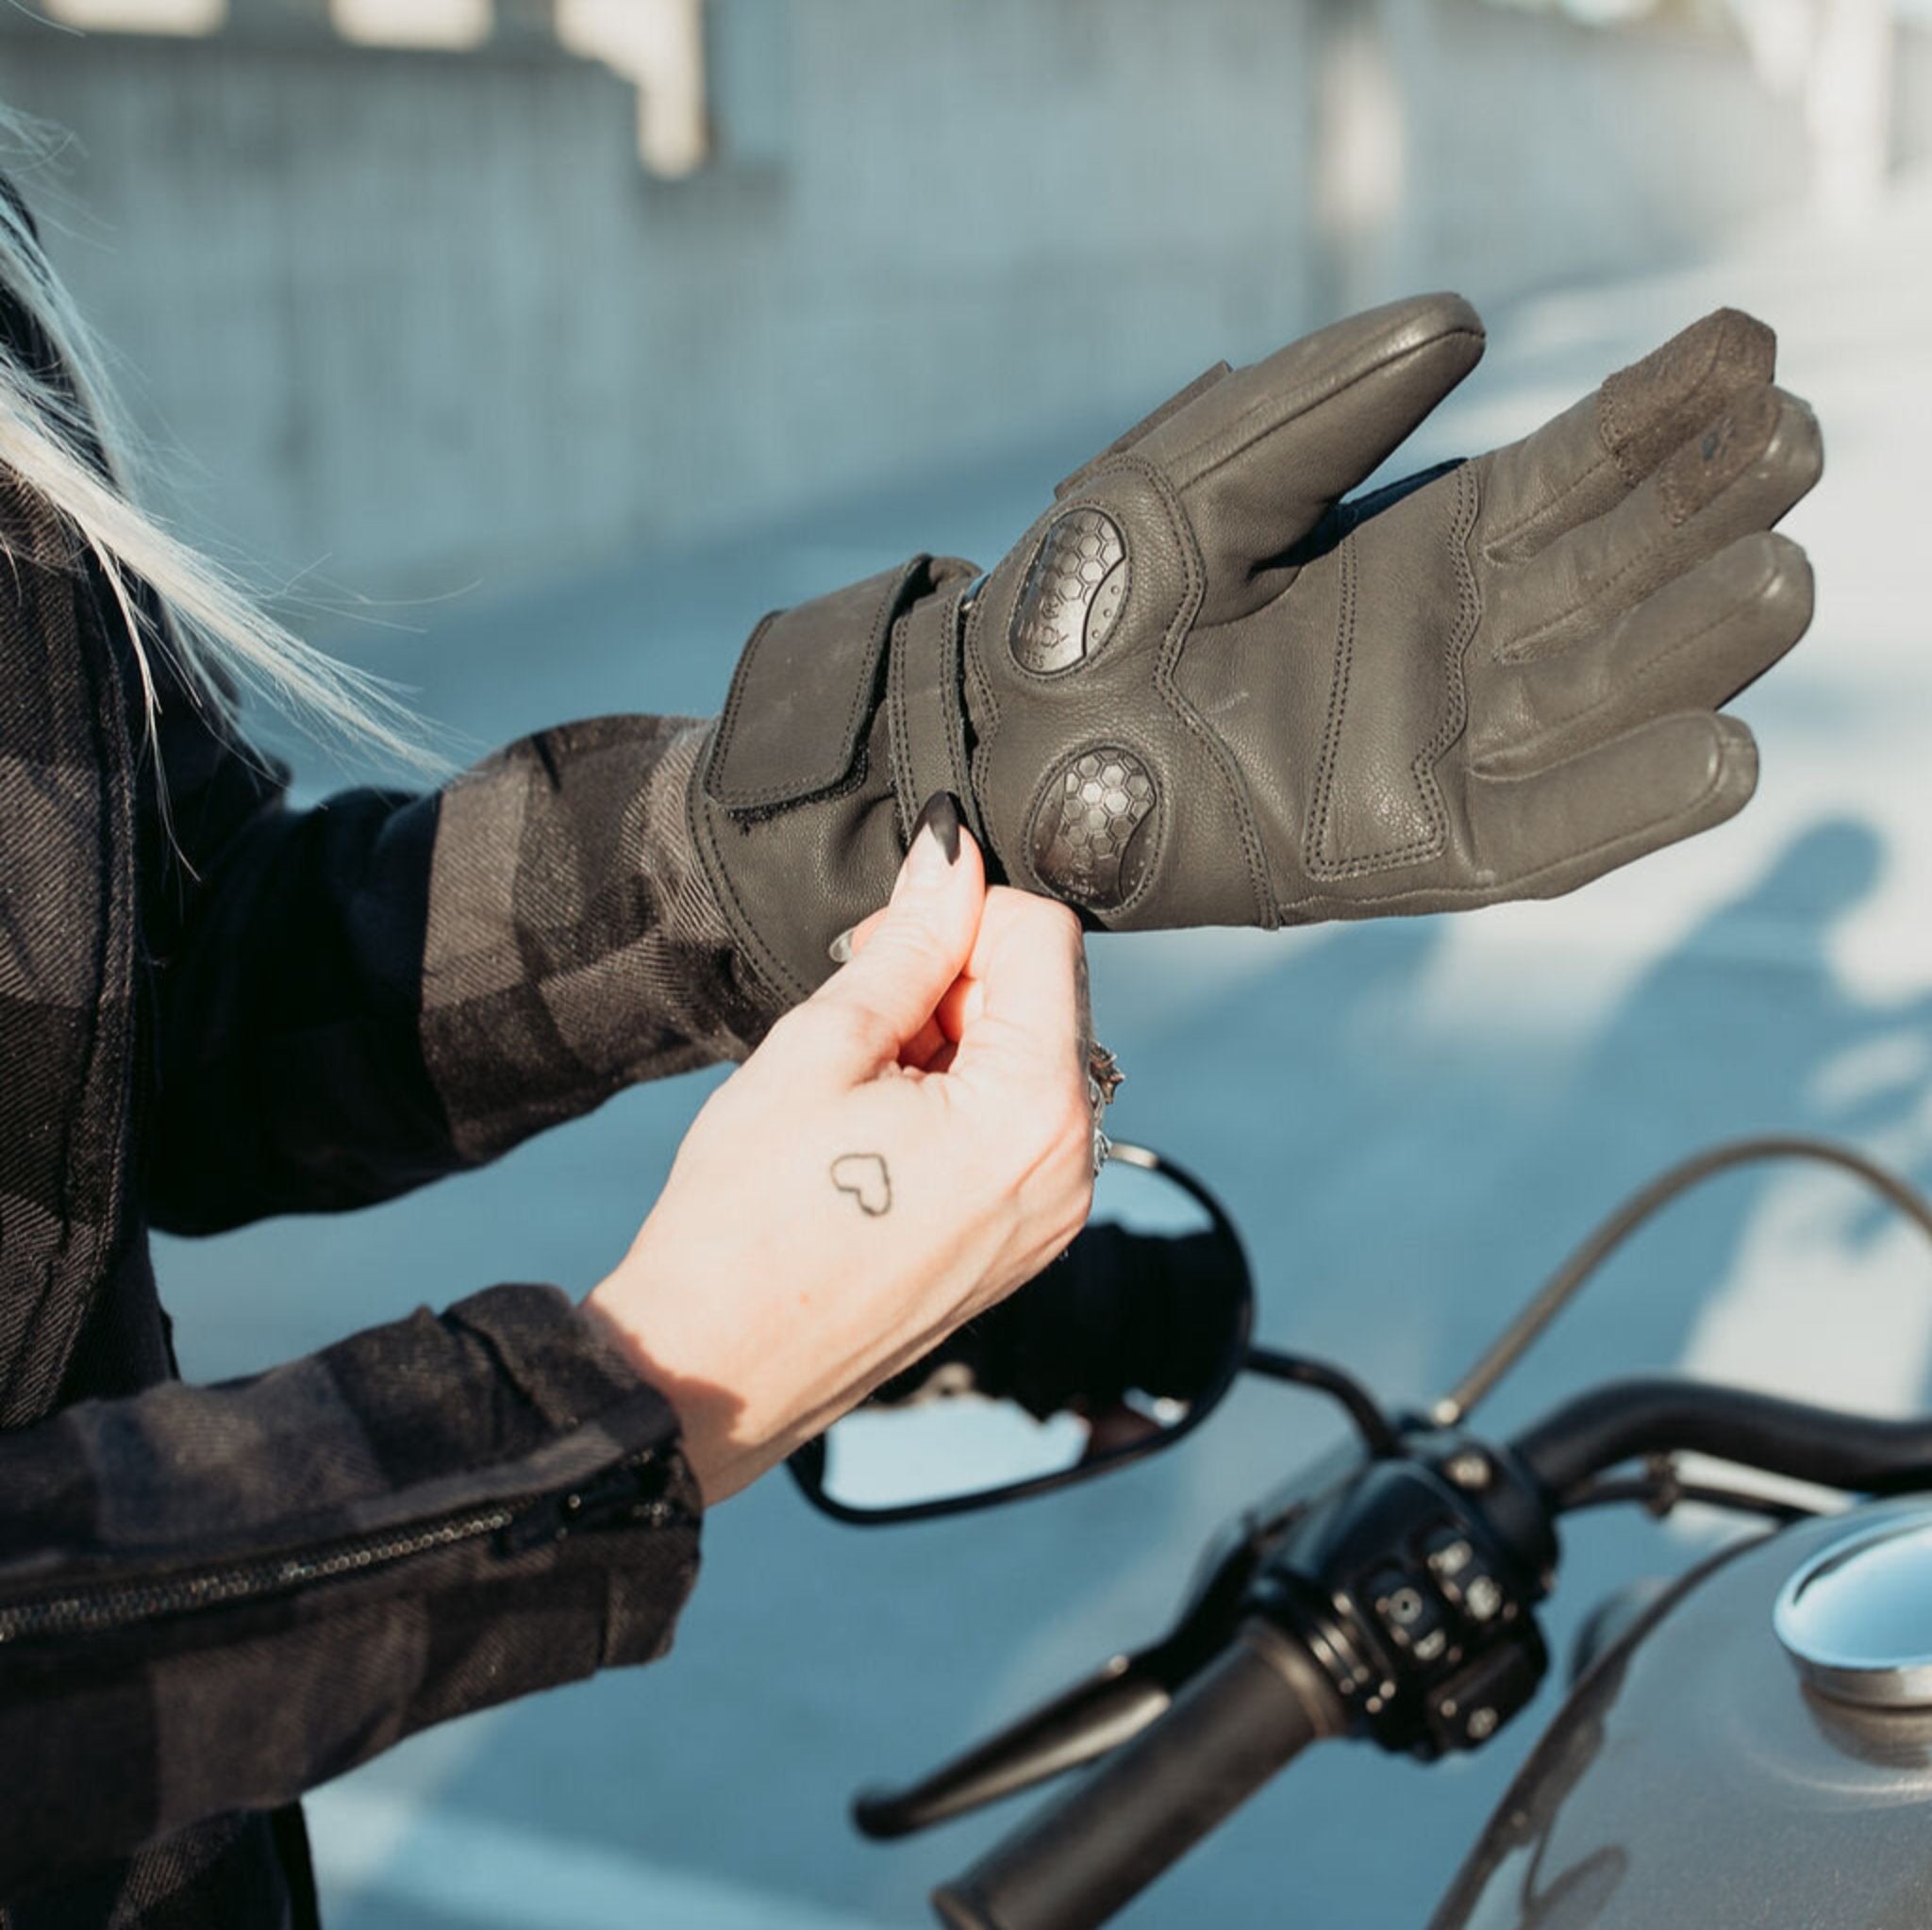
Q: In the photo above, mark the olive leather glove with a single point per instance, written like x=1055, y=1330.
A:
x=1205, y=689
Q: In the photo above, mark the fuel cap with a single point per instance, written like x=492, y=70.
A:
x=1857, y=1618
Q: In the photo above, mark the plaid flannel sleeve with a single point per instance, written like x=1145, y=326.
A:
x=361, y=997
x=214, y=1598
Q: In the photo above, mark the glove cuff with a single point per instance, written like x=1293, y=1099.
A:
x=803, y=803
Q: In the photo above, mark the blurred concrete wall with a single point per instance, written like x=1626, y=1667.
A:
x=1914, y=121
x=1540, y=151
x=418, y=317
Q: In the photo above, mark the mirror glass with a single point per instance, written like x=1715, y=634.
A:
x=949, y=1445
x=1105, y=1355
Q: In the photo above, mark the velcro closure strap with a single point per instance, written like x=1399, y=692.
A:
x=803, y=693
x=928, y=730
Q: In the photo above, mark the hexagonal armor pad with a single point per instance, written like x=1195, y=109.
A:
x=1074, y=592
x=1090, y=831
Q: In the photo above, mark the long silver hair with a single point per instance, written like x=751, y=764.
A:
x=52, y=424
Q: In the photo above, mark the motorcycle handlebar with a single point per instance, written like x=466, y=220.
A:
x=1626, y=1419
x=1240, y=1721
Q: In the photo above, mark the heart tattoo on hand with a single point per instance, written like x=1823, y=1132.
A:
x=864, y=1176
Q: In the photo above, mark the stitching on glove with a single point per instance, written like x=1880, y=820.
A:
x=1654, y=663
x=952, y=717
x=1525, y=648
x=1309, y=399
x=988, y=720
x=734, y=698
x=765, y=964
x=1452, y=897
x=1205, y=380
x=864, y=697
x=897, y=756
x=1165, y=681
x=1338, y=704
x=1610, y=433
x=907, y=799
x=1495, y=547
x=1455, y=719
x=1620, y=440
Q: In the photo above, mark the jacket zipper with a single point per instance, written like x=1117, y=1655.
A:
x=628, y=1495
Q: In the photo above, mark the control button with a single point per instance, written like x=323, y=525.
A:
x=1482, y=1598
x=1476, y=1702
x=1464, y=1579
x=1448, y=1553
x=1411, y=1614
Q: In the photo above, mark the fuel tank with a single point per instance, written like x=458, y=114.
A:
x=1699, y=1774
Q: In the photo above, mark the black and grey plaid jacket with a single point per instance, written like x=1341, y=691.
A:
x=213, y=1598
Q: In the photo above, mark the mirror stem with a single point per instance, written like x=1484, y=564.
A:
x=1376, y=1430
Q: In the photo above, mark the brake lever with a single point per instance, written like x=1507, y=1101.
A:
x=1076, y=1727
x=1119, y=1700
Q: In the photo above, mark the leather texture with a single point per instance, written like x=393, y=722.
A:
x=792, y=806
x=1210, y=687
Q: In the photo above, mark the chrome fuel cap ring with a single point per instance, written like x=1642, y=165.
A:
x=1856, y=1618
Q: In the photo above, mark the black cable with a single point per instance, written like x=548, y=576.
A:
x=1569, y=1279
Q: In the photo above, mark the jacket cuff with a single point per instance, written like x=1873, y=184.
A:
x=571, y=1375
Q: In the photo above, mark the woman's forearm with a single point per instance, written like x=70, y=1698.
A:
x=214, y=1598
x=369, y=994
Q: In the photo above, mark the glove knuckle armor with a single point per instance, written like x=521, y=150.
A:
x=1092, y=831
x=1076, y=589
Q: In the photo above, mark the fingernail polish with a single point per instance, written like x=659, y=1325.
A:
x=940, y=817
x=840, y=950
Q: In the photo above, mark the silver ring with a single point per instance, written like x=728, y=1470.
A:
x=1104, y=1080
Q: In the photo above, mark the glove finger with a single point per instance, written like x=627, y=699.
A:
x=1740, y=476
x=1547, y=833
x=1693, y=645
x=1586, y=460
x=1260, y=454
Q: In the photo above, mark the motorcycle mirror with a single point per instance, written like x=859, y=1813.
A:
x=1120, y=1348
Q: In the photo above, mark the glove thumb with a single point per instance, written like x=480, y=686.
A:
x=1260, y=456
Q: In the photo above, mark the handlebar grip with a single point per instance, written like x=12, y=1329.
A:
x=1241, y=1720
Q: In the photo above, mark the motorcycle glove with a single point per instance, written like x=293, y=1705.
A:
x=1206, y=687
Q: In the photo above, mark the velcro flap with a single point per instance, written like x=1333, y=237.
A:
x=803, y=693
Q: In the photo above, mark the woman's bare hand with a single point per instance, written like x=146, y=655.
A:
x=904, y=1149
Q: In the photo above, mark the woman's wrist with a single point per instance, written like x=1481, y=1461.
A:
x=615, y=1311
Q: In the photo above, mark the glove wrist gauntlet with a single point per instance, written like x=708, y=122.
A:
x=844, y=715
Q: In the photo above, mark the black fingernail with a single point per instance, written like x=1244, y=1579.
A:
x=941, y=816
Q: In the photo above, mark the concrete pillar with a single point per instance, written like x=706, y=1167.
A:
x=526, y=20
x=302, y=17
x=1850, y=88
x=1358, y=133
